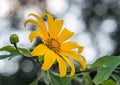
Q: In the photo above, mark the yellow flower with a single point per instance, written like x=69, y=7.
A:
x=54, y=46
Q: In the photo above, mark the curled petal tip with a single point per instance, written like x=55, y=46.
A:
x=44, y=14
x=25, y=23
x=31, y=14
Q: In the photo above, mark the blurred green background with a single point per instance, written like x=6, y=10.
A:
x=95, y=23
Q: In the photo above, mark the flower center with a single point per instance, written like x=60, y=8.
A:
x=53, y=44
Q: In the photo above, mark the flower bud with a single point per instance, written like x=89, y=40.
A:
x=14, y=39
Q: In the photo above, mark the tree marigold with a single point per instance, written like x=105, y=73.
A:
x=54, y=46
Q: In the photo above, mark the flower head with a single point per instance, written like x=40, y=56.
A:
x=54, y=46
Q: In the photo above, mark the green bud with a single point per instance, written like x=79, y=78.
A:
x=14, y=39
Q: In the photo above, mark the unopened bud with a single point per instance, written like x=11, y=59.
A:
x=14, y=39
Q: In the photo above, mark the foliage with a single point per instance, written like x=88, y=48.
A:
x=107, y=71
x=106, y=65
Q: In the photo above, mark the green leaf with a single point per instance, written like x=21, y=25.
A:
x=24, y=52
x=56, y=80
x=35, y=82
x=41, y=58
x=87, y=79
x=106, y=66
x=116, y=77
x=109, y=82
x=82, y=79
x=11, y=50
x=47, y=79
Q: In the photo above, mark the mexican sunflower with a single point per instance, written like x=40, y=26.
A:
x=54, y=46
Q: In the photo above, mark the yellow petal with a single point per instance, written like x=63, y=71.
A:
x=44, y=14
x=75, y=57
x=32, y=21
x=62, y=66
x=71, y=65
x=50, y=23
x=66, y=34
x=67, y=50
x=57, y=26
x=49, y=60
x=39, y=50
x=72, y=45
x=35, y=34
x=83, y=58
x=41, y=22
x=36, y=24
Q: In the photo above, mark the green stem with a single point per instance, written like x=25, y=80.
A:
x=15, y=45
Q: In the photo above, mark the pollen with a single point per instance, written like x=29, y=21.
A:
x=53, y=44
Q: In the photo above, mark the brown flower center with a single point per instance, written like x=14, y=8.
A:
x=53, y=44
